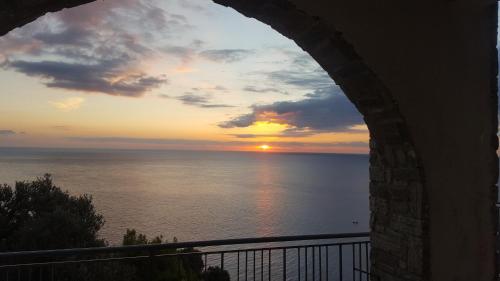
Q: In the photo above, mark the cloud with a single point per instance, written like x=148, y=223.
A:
x=288, y=133
x=327, y=110
x=98, y=47
x=254, y=89
x=301, y=71
x=309, y=80
x=68, y=104
x=71, y=36
x=130, y=140
x=199, y=101
x=253, y=136
x=218, y=88
x=185, y=53
x=61, y=128
x=323, y=109
x=103, y=77
x=226, y=55
x=7, y=133
x=191, y=5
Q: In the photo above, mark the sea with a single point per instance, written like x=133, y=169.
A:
x=203, y=195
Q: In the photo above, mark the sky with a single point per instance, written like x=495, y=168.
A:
x=176, y=74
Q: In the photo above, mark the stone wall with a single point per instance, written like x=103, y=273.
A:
x=397, y=194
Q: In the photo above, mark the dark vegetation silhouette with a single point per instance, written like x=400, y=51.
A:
x=38, y=215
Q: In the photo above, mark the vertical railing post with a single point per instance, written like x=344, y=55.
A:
x=262, y=265
x=314, y=263
x=151, y=266
x=327, y=263
x=298, y=263
x=360, y=261
x=151, y=260
x=320, y=267
x=284, y=264
x=269, y=271
x=222, y=260
x=341, y=266
x=353, y=262
x=367, y=258
x=305, y=262
x=254, y=265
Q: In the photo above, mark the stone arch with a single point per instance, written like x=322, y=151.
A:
x=397, y=192
x=398, y=198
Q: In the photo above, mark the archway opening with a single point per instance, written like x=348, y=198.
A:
x=394, y=161
x=182, y=76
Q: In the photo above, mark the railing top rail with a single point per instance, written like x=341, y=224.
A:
x=179, y=245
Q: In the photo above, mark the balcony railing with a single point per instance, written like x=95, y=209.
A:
x=338, y=257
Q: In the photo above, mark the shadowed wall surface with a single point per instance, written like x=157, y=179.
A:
x=438, y=59
x=424, y=78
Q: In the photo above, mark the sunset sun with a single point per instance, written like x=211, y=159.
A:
x=264, y=147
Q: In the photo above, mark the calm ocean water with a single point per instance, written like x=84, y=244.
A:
x=206, y=195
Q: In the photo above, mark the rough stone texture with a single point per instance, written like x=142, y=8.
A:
x=438, y=61
x=397, y=195
x=431, y=109
x=20, y=12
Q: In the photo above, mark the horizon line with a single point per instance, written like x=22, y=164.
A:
x=179, y=149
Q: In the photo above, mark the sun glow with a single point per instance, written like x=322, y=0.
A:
x=264, y=147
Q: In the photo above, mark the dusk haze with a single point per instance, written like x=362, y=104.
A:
x=168, y=75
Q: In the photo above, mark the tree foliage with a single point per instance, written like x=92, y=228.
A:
x=166, y=268
x=38, y=215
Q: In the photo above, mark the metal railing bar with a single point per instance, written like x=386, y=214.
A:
x=180, y=254
x=37, y=265
x=353, y=262
x=298, y=263
x=106, y=259
x=367, y=256
x=222, y=260
x=362, y=271
x=341, y=267
x=246, y=265
x=254, y=265
x=314, y=263
x=175, y=254
x=305, y=261
x=72, y=262
x=284, y=264
x=360, y=261
x=205, y=265
x=327, y=263
x=262, y=265
x=179, y=245
x=320, y=267
x=269, y=267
